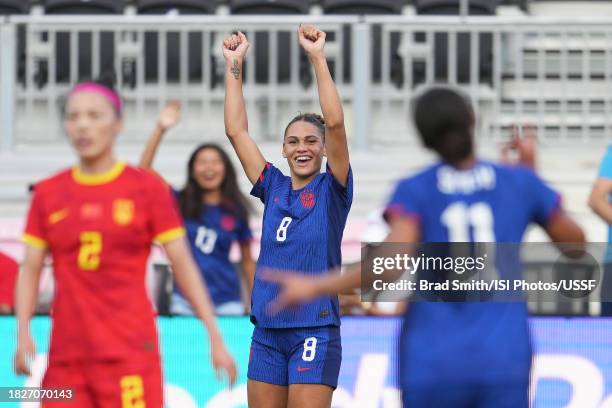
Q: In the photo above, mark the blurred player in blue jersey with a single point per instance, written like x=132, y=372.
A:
x=458, y=354
x=216, y=214
x=295, y=355
x=600, y=201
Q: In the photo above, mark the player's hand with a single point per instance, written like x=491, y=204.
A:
x=169, y=116
x=312, y=40
x=523, y=147
x=295, y=289
x=223, y=361
x=24, y=356
x=235, y=47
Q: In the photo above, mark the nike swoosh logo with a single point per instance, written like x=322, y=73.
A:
x=58, y=216
x=300, y=369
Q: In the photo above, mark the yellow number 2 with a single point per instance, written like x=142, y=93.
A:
x=89, y=254
x=132, y=392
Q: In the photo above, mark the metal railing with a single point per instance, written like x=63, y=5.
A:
x=143, y=51
x=555, y=74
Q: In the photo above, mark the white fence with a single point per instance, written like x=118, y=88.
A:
x=556, y=74
x=551, y=73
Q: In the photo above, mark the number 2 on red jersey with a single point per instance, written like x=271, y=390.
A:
x=89, y=252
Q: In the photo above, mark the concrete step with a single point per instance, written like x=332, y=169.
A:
x=571, y=9
x=571, y=169
x=556, y=89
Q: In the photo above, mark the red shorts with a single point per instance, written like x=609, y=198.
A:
x=125, y=383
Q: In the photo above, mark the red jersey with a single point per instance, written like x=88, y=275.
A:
x=98, y=230
x=8, y=277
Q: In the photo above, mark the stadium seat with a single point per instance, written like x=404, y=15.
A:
x=452, y=7
x=194, y=58
x=522, y=4
x=278, y=7
x=8, y=7
x=14, y=7
x=83, y=6
x=370, y=7
x=269, y=7
x=363, y=6
x=62, y=49
x=181, y=6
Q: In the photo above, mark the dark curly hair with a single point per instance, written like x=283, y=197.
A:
x=190, y=196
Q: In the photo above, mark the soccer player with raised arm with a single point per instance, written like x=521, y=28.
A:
x=295, y=355
x=457, y=354
x=98, y=220
x=216, y=214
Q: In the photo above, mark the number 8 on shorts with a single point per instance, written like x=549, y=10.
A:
x=310, y=348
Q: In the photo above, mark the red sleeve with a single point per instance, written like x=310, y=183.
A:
x=166, y=222
x=35, y=232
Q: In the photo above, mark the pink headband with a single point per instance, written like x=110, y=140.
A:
x=106, y=92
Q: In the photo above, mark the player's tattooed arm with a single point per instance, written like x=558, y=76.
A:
x=235, y=48
x=312, y=41
x=235, y=114
x=168, y=118
x=235, y=69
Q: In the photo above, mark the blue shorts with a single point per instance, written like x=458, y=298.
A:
x=308, y=355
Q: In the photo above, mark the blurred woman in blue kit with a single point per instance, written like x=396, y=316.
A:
x=216, y=214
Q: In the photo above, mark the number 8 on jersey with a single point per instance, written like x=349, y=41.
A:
x=281, y=232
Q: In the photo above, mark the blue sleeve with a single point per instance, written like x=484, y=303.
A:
x=268, y=178
x=404, y=202
x=244, y=231
x=343, y=193
x=605, y=169
x=545, y=201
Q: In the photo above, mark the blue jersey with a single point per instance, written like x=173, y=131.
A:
x=302, y=231
x=211, y=237
x=487, y=203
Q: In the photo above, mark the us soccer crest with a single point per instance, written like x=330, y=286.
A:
x=307, y=198
x=228, y=222
x=123, y=211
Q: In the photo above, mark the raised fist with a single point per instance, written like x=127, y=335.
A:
x=312, y=39
x=235, y=47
